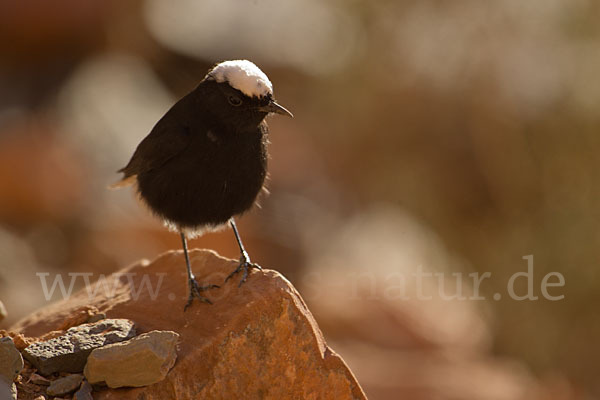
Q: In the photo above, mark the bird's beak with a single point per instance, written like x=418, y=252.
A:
x=273, y=107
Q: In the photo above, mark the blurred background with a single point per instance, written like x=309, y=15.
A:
x=452, y=137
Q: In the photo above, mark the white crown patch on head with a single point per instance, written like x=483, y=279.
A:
x=244, y=76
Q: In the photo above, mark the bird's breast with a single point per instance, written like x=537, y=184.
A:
x=209, y=182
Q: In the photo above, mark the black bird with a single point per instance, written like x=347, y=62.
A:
x=205, y=160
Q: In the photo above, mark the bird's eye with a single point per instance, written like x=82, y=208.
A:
x=235, y=101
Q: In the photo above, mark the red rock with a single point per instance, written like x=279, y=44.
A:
x=78, y=317
x=255, y=341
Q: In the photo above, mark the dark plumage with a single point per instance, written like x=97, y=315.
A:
x=205, y=161
x=201, y=168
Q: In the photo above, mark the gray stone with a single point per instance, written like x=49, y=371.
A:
x=65, y=385
x=141, y=361
x=8, y=390
x=3, y=313
x=84, y=392
x=11, y=361
x=69, y=352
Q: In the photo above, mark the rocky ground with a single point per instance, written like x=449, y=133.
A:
x=128, y=337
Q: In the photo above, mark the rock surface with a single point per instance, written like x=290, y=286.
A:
x=257, y=341
x=69, y=352
x=84, y=392
x=39, y=380
x=96, y=318
x=8, y=390
x=65, y=385
x=141, y=361
x=11, y=361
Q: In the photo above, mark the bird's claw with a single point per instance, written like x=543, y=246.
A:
x=244, y=266
x=195, y=290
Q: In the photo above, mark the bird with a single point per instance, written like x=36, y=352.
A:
x=204, y=163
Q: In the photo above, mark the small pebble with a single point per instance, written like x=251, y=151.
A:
x=84, y=392
x=39, y=380
x=65, y=385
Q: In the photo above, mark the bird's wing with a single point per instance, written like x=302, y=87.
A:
x=162, y=144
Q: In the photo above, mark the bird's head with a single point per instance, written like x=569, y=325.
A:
x=244, y=92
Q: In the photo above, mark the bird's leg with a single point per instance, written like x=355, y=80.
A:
x=195, y=289
x=245, y=263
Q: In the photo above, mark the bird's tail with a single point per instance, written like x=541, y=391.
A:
x=127, y=181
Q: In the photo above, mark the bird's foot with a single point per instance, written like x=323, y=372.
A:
x=244, y=266
x=195, y=290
